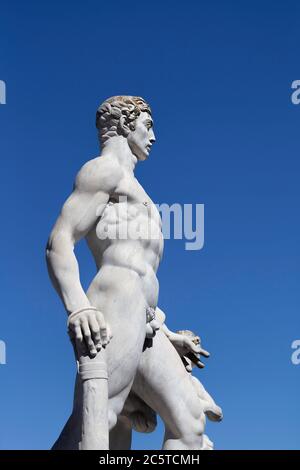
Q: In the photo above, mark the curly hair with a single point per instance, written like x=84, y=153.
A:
x=117, y=115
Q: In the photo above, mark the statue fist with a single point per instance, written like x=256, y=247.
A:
x=88, y=331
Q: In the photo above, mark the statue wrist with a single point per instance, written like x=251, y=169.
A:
x=73, y=315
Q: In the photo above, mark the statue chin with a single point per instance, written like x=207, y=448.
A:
x=141, y=153
x=142, y=157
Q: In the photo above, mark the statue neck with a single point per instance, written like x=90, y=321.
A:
x=117, y=147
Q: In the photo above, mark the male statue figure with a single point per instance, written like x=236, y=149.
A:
x=123, y=296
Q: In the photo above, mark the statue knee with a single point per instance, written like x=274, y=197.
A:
x=192, y=430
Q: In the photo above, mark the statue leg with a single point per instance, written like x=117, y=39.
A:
x=164, y=384
x=120, y=436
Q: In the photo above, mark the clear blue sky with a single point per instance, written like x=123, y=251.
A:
x=217, y=75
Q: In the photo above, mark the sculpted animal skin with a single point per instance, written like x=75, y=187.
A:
x=108, y=323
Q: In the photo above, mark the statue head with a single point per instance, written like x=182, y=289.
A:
x=130, y=117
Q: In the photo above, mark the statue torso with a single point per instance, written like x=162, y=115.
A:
x=128, y=232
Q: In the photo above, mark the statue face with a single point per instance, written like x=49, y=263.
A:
x=141, y=139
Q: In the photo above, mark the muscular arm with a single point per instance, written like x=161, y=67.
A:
x=94, y=184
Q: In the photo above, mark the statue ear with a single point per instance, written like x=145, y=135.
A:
x=123, y=129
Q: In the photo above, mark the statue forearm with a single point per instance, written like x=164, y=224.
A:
x=161, y=317
x=64, y=273
x=86, y=325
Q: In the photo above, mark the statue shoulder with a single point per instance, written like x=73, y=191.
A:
x=99, y=174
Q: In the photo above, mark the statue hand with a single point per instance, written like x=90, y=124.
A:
x=186, y=346
x=88, y=332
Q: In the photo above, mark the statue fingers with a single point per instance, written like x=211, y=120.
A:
x=190, y=345
x=88, y=337
x=197, y=362
x=200, y=364
x=103, y=328
x=195, y=359
x=95, y=332
x=196, y=348
x=77, y=340
x=204, y=353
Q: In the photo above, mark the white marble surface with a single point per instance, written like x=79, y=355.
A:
x=131, y=366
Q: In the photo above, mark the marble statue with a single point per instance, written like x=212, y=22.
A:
x=130, y=366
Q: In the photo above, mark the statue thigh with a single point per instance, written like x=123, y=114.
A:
x=164, y=384
x=127, y=321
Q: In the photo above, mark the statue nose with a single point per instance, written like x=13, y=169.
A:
x=152, y=138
